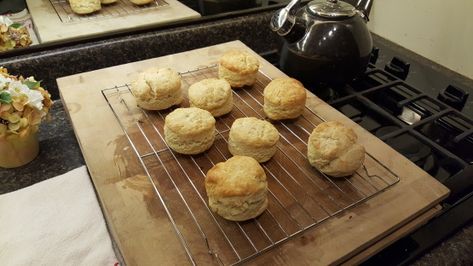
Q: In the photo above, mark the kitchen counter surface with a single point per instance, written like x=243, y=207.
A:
x=59, y=149
x=52, y=26
x=59, y=153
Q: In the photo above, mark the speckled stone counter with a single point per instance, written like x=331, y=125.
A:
x=59, y=153
x=454, y=251
x=59, y=149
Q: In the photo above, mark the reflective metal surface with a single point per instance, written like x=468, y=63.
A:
x=283, y=20
x=331, y=8
x=328, y=42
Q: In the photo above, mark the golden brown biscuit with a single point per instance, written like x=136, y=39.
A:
x=141, y=2
x=332, y=149
x=189, y=130
x=284, y=98
x=213, y=95
x=157, y=89
x=250, y=136
x=239, y=68
x=237, y=188
x=82, y=7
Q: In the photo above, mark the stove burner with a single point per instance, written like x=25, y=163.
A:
x=431, y=160
x=385, y=130
x=327, y=93
x=363, y=114
x=414, y=150
x=366, y=82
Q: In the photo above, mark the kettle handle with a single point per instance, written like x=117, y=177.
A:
x=284, y=19
x=364, y=6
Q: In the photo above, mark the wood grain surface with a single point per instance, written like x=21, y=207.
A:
x=138, y=221
x=50, y=28
x=399, y=233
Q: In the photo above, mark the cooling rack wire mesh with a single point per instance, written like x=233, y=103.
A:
x=117, y=9
x=300, y=197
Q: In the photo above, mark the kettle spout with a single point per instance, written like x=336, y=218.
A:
x=365, y=7
x=284, y=19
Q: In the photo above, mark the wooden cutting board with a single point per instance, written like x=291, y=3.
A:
x=52, y=23
x=137, y=219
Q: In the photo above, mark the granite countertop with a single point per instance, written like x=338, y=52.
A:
x=59, y=153
x=59, y=150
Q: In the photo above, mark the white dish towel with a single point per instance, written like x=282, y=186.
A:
x=54, y=222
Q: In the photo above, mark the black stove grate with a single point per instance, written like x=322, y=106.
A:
x=431, y=134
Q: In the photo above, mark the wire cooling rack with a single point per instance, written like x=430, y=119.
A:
x=300, y=197
x=117, y=9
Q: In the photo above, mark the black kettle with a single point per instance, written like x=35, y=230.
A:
x=325, y=41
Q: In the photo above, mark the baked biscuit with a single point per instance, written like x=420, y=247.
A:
x=157, y=89
x=284, y=98
x=250, y=136
x=189, y=130
x=239, y=68
x=83, y=7
x=237, y=189
x=213, y=95
x=106, y=2
x=332, y=149
x=141, y=2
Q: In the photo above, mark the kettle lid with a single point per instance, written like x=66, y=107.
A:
x=331, y=8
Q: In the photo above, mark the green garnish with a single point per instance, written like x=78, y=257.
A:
x=5, y=97
x=32, y=84
x=16, y=25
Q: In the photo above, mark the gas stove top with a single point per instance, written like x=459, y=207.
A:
x=430, y=123
x=430, y=133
